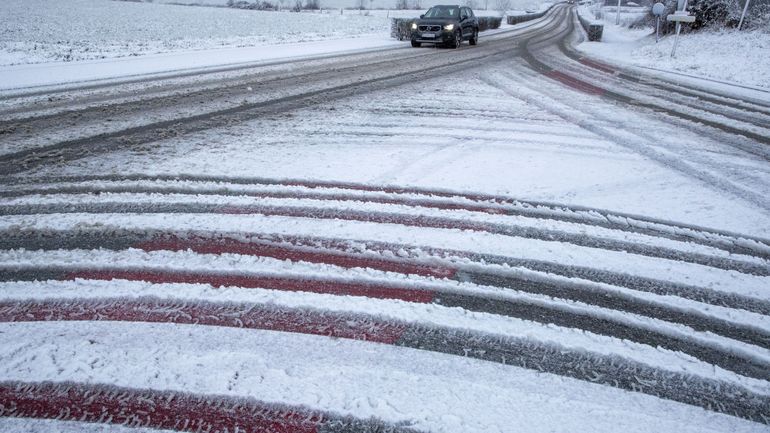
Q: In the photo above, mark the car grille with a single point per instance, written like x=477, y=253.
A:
x=429, y=28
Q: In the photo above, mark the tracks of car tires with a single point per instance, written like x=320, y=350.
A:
x=661, y=308
x=559, y=294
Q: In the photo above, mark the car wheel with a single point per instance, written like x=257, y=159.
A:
x=475, y=38
x=458, y=39
x=416, y=44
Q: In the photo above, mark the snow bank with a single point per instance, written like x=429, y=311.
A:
x=725, y=55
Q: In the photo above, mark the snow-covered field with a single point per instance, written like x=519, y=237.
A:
x=33, y=31
x=482, y=7
x=725, y=55
x=37, y=31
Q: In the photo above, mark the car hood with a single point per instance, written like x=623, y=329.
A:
x=436, y=21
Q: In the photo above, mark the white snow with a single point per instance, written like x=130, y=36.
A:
x=35, y=31
x=725, y=55
x=432, y=392
x=514, y=133
x=484, y=243
x=493, y=221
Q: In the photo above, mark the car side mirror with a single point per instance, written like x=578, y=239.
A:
x=422, y=16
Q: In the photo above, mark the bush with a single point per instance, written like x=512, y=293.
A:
x=516, y=19
x=758, y=18
x=648, y=21
x=257, y=6
x=714, y=13
x=486, y=23
x=401, y=28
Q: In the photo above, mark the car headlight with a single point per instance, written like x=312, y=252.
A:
x=449, y=27
x=414, y=26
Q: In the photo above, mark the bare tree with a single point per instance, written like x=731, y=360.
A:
x=470, y=3
x=502, y=6
x=402, y=4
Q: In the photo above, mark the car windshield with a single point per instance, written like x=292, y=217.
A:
x=443, y=12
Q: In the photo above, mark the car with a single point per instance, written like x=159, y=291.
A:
x=447, y=25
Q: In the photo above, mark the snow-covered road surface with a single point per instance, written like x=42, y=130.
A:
x=508, y=237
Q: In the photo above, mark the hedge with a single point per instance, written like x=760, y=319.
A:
x=593, y=29
x=516, y=19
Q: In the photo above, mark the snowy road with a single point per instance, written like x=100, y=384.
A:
x=502, y=238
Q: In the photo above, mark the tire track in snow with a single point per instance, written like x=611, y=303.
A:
x=177, y=411
x=599, y=90
x=728, y=241
x=639, y=144
x=328, y=86
x=711, y=394
x=561, y=315
x=461, y=266
x=683, y=89
x=412, y=220
x=544, y=312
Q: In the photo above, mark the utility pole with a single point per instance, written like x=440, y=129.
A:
x=743, y=14
x=617, y=15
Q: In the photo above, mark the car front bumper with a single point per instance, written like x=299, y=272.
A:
x=442, y=37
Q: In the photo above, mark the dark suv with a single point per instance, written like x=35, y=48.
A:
x=446, y=25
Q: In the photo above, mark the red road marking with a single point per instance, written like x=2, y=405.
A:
x=370, y=290
x=249, y=316
x=204, y=245
x=152, y=409
x=596, y=65
x=575, y=83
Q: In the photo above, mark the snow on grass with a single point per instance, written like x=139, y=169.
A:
x=381, y=7
x=35, y=31
x=725, y=55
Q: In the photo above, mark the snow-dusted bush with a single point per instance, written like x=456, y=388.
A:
x=257, y=5
x=486, y=23
x=648, y=20
x=502, y=6
x=714, y=13
x=758, y=18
